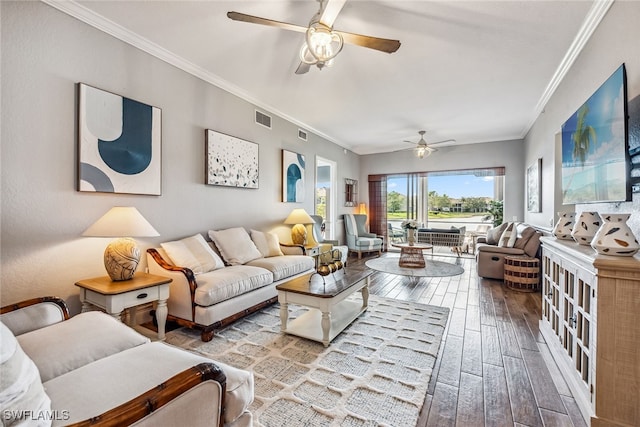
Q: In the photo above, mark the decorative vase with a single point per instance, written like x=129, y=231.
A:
x=615, y=237
x=564, y=225
x=411, y=236
x=585, y=227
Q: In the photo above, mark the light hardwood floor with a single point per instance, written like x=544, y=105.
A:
x=493, y=368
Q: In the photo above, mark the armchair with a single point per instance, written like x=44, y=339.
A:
x=317, y=232
x=395, y=234
x=359, y=240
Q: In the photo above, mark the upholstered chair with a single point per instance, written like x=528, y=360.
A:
x=359, y=240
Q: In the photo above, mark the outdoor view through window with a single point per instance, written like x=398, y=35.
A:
x=472, y=199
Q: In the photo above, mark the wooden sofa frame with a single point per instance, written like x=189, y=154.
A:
x=153, y=399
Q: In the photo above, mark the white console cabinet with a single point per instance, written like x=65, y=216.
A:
x=591, y=323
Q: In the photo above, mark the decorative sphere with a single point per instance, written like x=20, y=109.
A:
x=324, y=270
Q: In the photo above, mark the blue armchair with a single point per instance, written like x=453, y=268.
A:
x=359, y=240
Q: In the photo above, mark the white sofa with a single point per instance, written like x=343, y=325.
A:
x=93, y=370
x=216, y=282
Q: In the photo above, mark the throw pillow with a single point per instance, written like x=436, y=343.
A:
x=193, y=253
x=21, y=389
x=493, y=234
x=267, y=243
x=508, y=238
x=235, y=245
x=521, y=241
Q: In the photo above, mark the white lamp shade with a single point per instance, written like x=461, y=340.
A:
x=121, y=221
x=299, y=216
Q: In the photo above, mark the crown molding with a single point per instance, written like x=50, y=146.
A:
x=82, y=13
x=598, y=10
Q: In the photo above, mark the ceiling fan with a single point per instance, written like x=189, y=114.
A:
x=322, y=42
x=422, y=149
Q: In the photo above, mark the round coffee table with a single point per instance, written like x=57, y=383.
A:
x=411, y=255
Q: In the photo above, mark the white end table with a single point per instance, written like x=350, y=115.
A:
x=115, y=297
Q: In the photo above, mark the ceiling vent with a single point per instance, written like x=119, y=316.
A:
x=302, y=134
x=263, y=119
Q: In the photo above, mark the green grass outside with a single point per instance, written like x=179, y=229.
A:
x=436, y=215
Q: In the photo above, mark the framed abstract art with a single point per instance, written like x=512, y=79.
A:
x=119, y=144
x=231, y=161
x=293, y=166
x=534, y=183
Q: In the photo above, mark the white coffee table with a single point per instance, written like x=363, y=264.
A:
x=330, y=310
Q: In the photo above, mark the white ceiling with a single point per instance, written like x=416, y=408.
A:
x=475, y=71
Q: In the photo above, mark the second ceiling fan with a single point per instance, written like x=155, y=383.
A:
x=322, y=42
x=422, y=149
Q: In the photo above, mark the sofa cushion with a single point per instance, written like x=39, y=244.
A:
x=235, y=245
x=20, y=385
x=193, y=253
x=523, y=237
x=130, y=373
x=368, y=242
x=533, y=244
x=508, y=237
x=68, y=345
x=284, y=266
x=494, y=234
x=220, y=285
x=267, y=243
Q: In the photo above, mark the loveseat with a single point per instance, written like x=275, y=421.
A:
x=216, y=282
x=505, y=240
x=91, y=369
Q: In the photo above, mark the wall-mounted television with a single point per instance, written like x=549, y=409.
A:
x=595, y=166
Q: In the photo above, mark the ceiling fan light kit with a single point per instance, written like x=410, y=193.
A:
x=322, y=45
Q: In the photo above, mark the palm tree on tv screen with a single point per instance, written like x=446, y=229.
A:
x=583, y=136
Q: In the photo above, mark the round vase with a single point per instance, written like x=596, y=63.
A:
x=615, y=237
x=563, y=227
x=411, y=236
x=585, y=227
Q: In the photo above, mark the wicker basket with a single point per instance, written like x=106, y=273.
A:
x=522, y=273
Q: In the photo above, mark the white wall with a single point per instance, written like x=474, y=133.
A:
x=45, y=53
x=614, y=42
x=492, y=154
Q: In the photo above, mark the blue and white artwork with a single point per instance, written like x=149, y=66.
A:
x=119, y=144
x=231, y=161
x=292, y=177
x=594, y=146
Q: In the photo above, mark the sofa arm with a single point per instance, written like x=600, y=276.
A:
x=291, y=249
x=36, y=313
x=159, y=396
x=500, y=250
x=181, y=303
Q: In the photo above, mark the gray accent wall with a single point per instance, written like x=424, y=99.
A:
x=45, y=53
x=614, y=42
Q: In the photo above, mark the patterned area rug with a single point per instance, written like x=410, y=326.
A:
x=376, y=372
x=389, y=264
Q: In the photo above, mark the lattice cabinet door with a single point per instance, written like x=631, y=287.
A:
x=551, y=270
x=585, y=330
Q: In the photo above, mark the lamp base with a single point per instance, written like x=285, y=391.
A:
x=121, y=259
x=299, y=234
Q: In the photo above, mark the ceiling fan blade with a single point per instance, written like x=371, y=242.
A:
x=331, y=11
x=302, y=68
x=383, y=45
x=237, y=16
x=442, y=142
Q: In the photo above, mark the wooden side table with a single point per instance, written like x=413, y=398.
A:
x=522, y=273
x=115, y=297
x=411, y=255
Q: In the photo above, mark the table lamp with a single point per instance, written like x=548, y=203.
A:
x=299, y=218
x=121, y=257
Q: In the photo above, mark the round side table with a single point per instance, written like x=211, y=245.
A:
x=522, y=273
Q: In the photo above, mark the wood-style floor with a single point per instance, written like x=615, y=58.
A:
x=493, y=368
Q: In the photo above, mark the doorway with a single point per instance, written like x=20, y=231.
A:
x=326, y=194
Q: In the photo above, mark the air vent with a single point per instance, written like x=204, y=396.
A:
x=302, y=134
x=263, y=119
